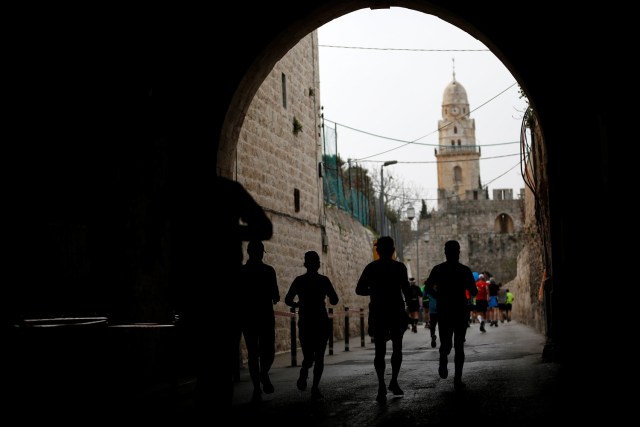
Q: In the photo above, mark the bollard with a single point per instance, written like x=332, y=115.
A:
x=346, y=329
x=331, y=330
x=361, y=327
x=294, y=349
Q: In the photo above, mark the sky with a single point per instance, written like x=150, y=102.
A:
x=382, y=88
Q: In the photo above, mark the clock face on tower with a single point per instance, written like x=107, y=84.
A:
x=455, y=111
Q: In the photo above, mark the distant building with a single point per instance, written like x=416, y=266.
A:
x=488, y=229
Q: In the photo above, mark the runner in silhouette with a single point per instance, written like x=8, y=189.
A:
x=385, y=281
x=259, y=288
x=448, y=281
x=314, y=327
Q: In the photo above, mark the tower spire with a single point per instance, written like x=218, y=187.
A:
x=453, y=60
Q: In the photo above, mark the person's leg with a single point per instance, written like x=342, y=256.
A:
x=432, y=329
x=319, y=348
x=482, y=313
x=307, y=360
x=318, y=367
x=396, y=363
x=380, y=343
x=458, y=343
x=446, y=343
x=267, y=356
x=251, y=341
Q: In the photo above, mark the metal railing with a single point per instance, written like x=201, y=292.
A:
x=346, y=313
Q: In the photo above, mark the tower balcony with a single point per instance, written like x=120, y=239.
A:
x=457, y=150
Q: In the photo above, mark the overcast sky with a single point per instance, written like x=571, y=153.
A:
x=384, y=85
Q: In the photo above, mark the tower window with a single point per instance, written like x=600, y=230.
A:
x=455, y=129
x=459, y=143
x=457, y=174
x=296, y=199
x=503, y=224
x=284, y=90
x=453, y=143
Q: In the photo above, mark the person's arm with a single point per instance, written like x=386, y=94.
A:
x=275, y=291
x=471, y=284
x=289, y=299
x=362, y=287
x=406, y=286
x=430, y=284
x=331, y=293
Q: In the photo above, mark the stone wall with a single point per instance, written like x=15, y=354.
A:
x=473, y=224
x=532, y=298
x=274, y=163
x=528, y=304
x=272, y=160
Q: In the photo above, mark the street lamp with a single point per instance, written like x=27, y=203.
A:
x=411, y=213
x=387, y=163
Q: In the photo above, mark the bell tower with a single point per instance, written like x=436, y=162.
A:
x=457, y=156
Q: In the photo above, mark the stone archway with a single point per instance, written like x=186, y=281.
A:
x=274, y=49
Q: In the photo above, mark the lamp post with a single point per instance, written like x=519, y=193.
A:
x=387, y=163
x=425, y=238
x=411, y=213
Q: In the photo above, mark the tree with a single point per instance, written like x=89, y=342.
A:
x=423, y=211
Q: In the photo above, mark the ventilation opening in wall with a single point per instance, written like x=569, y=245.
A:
x=325, y=241
x=296, y=199
x=284, y=90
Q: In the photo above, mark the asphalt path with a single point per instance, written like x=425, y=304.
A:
x=507, y=384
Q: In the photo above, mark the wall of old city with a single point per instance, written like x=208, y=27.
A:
x=473, y=224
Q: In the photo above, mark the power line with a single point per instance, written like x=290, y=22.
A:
x=403, y=49
x=405, y=143
x=441, y=161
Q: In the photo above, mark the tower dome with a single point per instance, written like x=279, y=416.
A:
x=454, y=93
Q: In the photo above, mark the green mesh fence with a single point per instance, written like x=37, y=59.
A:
x=345, y=192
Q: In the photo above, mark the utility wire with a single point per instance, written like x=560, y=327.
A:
x=405, y=143
x=404, y=49
x=440, y=161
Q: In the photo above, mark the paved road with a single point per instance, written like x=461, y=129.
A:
x=507, y=384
